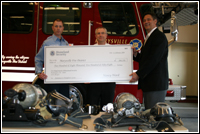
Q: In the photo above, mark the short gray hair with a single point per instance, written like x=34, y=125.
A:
x=99, y=28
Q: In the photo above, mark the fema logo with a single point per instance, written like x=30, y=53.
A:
x=136, y=43
x=52, y=53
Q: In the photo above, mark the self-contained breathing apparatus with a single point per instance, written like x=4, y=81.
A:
x=26, y=102
x=127, y=111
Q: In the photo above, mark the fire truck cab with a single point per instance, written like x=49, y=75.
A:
x=25, y=25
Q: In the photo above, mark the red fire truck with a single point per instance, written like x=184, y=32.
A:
x=25, y=25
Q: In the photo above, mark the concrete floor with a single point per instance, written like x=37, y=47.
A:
x=189, y=114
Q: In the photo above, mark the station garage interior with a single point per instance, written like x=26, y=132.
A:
x=188, y=111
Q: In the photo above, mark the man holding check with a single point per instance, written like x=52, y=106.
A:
x=55, y=40
x=101, y=93
x=152, y=75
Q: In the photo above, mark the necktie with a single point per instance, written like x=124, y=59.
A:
x=146, y=39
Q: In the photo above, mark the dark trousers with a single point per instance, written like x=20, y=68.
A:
x=60, y=88
x=153, y=97
x=101, y=93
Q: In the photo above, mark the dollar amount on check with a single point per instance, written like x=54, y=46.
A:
x=79, y=64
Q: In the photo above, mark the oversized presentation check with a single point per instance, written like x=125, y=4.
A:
x=79, y=64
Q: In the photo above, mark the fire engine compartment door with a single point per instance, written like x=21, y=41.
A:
x=75, y=19
x=120, y=20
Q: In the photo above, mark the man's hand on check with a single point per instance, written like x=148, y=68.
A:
x=134, y=51
x=42, y=76
x=134, y=78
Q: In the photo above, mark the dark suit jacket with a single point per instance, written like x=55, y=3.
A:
x=153, y=64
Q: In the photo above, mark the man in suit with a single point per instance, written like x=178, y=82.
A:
x=152, y=75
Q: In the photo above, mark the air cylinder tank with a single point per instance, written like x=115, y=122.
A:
x=32, y=94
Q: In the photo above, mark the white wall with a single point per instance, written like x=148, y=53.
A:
x=183, y=59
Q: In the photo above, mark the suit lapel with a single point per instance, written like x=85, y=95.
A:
x=151, y=36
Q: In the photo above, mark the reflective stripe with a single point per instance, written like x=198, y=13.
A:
x=18, y=68
x=29, y=77
x=21, y=77
x=127, y=83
